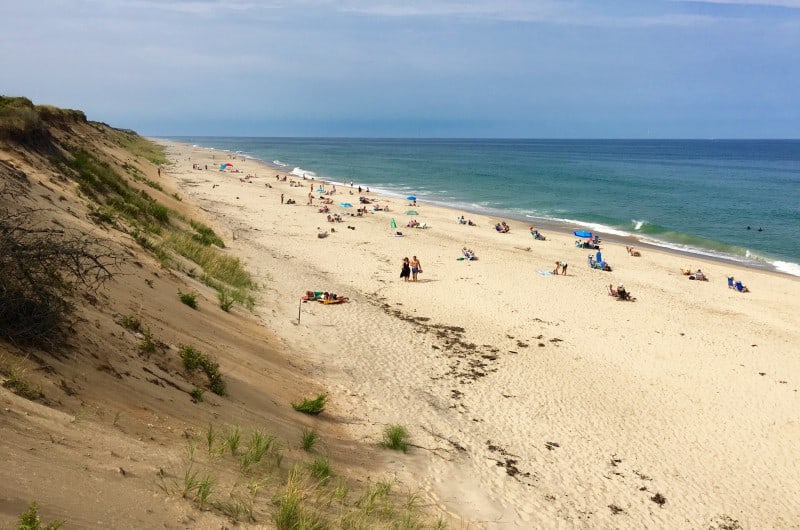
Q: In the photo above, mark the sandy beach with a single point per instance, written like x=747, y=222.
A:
x=533, y=400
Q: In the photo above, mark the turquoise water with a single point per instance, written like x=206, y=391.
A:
x=693, y=195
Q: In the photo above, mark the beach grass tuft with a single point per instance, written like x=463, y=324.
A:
x=395, y=437
x=313, y=407
x=309, y=439
x=320, y=468
x=189, y=299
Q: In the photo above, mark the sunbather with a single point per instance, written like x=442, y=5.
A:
x=312, y=295
x=536, y=234
x=333, y=298
x=623, y=294
x=698, y=275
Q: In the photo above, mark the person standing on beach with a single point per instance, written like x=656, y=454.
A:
x=281, y=198
x=564, y=268
x=416, y=268
x=405, y=272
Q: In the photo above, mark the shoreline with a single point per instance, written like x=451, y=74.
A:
x=772, y=264
x=533, y=400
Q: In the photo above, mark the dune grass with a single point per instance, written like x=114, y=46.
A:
x=253, y=485
x=395, y=437
x=313, y=407
x=309, y=440
x=194, y=359
x=189, y=299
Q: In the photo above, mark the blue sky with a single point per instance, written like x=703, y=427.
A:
x=413, y=68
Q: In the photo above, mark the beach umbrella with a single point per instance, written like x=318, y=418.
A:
x=582, y=233
x=411, y=198
x=411, y=212
x=346, y=205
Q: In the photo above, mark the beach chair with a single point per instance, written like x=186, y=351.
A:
x=730, y=283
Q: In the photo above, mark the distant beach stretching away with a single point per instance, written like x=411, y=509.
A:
x=586, y=334
x=732, y=199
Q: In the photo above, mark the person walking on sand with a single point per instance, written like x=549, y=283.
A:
x=405, y=272
x=281, y=198
x=416, y=268
x=563, y=268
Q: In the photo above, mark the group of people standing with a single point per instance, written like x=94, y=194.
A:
x=411, y=268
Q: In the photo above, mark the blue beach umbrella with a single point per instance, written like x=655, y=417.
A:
x=346, y=205
x=411, y=198
x=582, y=233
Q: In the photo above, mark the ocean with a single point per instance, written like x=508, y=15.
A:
x=729, y=199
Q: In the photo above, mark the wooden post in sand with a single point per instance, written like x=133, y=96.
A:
x=299, y=306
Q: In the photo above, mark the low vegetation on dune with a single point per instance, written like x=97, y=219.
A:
x=254, y=477
x=91, y=216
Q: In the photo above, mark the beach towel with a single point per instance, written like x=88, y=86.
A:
x=545, y=273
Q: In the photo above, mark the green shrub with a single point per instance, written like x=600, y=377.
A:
x=217, y=385
x=30, y=520
x=197, y=394
x=148, y=344
x=189, y=299
x=311, y=406
x=191, y=357
x=131, y=323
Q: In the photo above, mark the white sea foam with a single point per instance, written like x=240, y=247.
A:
x=787, y=267
x=594, y=227
x=300, y=172
x=637, y=225
x=279, y=163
